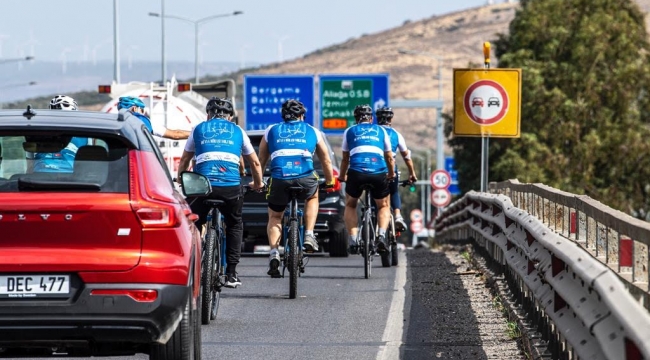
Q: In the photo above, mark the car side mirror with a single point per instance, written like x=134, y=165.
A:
x=195, y=184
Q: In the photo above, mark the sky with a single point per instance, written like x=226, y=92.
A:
x=267, y=31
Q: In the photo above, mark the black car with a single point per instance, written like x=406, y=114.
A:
x=330, y=228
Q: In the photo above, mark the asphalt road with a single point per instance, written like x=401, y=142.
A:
x=429, y=309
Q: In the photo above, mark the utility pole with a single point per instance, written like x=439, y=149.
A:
x=162, y=22
x=116, y=44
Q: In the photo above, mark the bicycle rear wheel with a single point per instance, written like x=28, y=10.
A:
x=367, y=256
x=294, y=259
x=387, y=255
x=216, y=275
x=207, y=268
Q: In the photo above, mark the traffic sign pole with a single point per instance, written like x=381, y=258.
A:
x=485, y=140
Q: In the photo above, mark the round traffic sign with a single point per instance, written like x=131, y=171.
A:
x=440, y=179
x=416, y=226
x=441, y=197
x=416, y=215
x=486, y=102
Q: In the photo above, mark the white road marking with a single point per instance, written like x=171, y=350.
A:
x=395, y=324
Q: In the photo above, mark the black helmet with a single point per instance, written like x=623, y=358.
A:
x=362, y=112
x=292, y=109
x=218, y=106
x=384, y=115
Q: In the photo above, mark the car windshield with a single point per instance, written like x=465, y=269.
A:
x=62, y=163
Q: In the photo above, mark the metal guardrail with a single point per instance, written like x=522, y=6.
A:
x=560, y=267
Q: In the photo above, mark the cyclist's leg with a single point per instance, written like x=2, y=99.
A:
x=232, y=214
x=352, y=194
x=277, y=202
x=200, y=209
x=380, y=192
x=396, y=203
x=311, y=209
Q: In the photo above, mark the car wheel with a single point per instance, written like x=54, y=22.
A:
x=338, y=244
x=181, y=345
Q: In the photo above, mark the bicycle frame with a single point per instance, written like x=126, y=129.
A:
x=292, y=212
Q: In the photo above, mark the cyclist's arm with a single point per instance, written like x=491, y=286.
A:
x=242, y=167
x=388, y=155
x=264, y=153
x=324, y=157
x=176, y=134
x=184, y=163
x=345, y=164
x=409, y=164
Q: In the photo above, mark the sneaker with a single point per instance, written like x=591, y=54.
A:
x=354, y=246
x=400, y=225
x=380, y=244
x=310, y=244
x=233, y=280
x=274, y=265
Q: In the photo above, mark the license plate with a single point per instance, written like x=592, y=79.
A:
x=31, y=286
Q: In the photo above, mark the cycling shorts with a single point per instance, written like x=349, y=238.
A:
x=356, y=180
x=278, y=197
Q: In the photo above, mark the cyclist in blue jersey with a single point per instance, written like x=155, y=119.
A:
x=385, y=118
x=62, y=161
x=290, y=146
x=217, y=144
x=133, y=105
x=367, y=159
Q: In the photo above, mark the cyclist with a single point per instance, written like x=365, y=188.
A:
x=385, y=118
x=367, y=159
x=135, y=106
x=62, y=161
x=216, y=145
x=290, y=145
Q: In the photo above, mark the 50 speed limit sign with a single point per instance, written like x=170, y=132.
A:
x=440, y=179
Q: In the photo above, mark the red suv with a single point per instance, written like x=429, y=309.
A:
x=98, y=252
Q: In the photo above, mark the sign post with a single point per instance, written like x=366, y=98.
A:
x=264, y=95
x=340, y=94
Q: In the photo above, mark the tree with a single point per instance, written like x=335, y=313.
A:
x=585, y=103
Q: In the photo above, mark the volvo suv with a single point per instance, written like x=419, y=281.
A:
x=99, y=253
x=330, y=229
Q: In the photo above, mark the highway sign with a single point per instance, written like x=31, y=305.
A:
x=487, y=102
x=264, y=95
x=440, y=197
x=416, y=215
x=416, y=226
x=340, y=94
x=440, y=179
x=450, y=166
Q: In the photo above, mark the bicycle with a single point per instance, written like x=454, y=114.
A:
x=293, y=236
x=390, y=258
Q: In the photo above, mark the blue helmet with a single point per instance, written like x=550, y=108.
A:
x=126, y=102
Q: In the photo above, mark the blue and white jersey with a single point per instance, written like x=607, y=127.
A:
x=217, y=145
x=367, y=143
x=291, y=146
x=154, y=128
x=396, y=141
x=59, y=162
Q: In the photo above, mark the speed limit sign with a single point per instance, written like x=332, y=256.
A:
x=440, y=179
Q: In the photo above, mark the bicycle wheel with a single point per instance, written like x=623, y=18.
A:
x=207, y=268
x=294, y=259
x=216, y=276
x=367, y=256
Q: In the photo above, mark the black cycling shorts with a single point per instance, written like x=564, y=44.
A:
x=357, y=179
x=278, y=196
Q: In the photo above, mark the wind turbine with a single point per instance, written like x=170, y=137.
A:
x=130, y=55
x=242, y=55
x=21, y=54
x=31, y=42
x=64, y=59
x=280, y=52
x=2, y=38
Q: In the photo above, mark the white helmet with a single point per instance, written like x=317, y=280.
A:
x=63, y=102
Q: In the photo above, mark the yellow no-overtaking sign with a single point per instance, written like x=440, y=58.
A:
x=487, y=102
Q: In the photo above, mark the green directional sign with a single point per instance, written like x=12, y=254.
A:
x=338, y=98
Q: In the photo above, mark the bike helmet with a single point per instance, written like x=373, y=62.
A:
x=63, y=102
x=362, y=113
x=126, y=102
x=384, y=115
x=293, y=109
x=219, y=106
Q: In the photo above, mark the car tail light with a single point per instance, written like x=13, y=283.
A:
x=137, y=295
x=151, y=213
x=337, y=183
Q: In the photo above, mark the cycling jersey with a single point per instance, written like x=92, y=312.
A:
x=59, y=162
x=291, y=146
x=367, y=143
x=217, y=145
x=396, y=141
